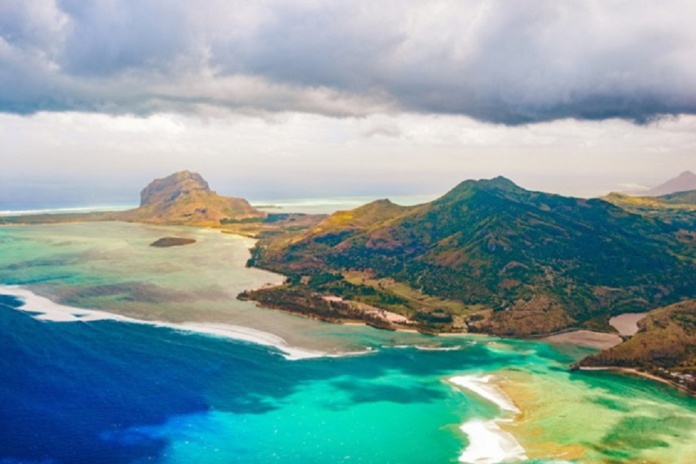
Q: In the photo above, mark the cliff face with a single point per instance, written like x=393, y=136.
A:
x=185, y=198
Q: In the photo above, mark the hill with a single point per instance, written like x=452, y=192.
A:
x=678, y=209
x=185, y=198
x=682, y=183
x=665, y=345
x=538, y=262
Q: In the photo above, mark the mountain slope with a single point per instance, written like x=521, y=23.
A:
x=665, y=345
x=682, y=183
x=185, y=198
x=543, y=262
x=678, y=209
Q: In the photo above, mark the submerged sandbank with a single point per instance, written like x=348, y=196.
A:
x=488, y=442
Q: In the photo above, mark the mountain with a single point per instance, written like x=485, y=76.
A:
x=682, y=183
x=185, y=198
x=678, y=209
x=540, y=262
x=665, y=345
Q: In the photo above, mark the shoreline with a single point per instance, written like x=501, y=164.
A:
x=624, y=324
x=385, y=321
x=582, y=337
x=637, y=373
x=43, y=309
x=572, y=336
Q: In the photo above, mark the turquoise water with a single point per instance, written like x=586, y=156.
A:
x=117, y=392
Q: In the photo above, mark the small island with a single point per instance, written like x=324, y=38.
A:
x=166, y=242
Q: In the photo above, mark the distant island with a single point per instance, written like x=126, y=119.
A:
x=185, y=198
x=487, y=257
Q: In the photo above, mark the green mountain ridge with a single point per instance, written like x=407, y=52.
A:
x=678, y=209
x=542, y=262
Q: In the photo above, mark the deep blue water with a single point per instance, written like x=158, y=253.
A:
x=109, y=392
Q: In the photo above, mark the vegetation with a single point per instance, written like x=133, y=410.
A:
x=665, y=345
x=678, y=209
x=541, y=262
x=185, y=198
x=330, y=297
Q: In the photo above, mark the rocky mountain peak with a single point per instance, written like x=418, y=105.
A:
x=172, y=187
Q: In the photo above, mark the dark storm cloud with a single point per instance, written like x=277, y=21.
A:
x=502, y=61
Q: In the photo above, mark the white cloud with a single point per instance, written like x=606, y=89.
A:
x=298, y=154
x=495, y=60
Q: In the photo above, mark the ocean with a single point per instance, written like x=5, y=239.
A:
x=116, y=352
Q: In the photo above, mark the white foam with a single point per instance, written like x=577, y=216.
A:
x=488, y=443
x=482, y=387
x=81, y=209
x=47, y=310
x=437, y=348
x=246, y=334
x=425, y=347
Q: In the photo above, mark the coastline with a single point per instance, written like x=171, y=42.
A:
x=43, y=309
x=577, y=337
x=638, y=373
x=583, y=337
x=333, y=310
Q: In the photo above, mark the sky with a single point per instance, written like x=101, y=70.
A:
x=273, y=99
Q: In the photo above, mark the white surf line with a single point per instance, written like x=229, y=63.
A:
x=488, y=443
x=425, y=347
x=78, y=209
x=47, y=310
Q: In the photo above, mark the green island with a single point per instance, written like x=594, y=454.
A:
x=487, y=257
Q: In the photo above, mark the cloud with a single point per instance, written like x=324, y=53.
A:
x=493, y=60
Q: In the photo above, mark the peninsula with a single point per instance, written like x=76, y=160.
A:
x=487, y=257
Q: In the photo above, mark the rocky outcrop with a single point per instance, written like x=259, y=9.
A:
x=185, y=198
x=172, y=187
